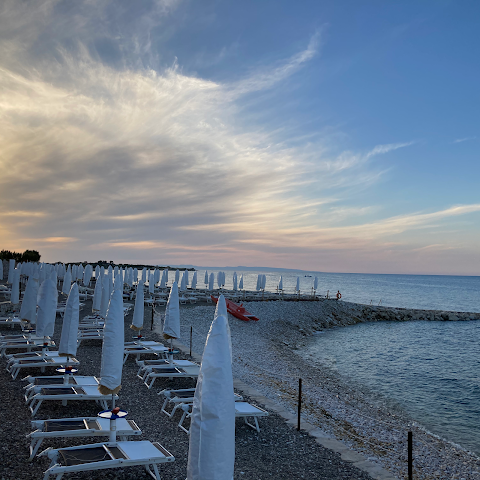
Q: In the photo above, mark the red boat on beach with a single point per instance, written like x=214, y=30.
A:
x=237, y=310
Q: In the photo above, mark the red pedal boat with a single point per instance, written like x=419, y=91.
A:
x=237, y=310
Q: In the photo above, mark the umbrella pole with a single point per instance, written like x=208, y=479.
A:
x=65, y=375
x=113, y=423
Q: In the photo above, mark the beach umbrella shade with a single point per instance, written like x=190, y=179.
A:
x=97, y=294
x=139, y=309
x=53, y=276
x=315, y=283
x=163, y=281
x=151, y=284
x=135, y=275
x=183, y=283
x=280, y=283
x=105, y=295
x=259, y=282
x=28, y=310
x=80, y=272
x=219, y=279
x=194, y=281
x=156, y=276
x=144, y=275
x=235, y=281
x=211, y=454
x=171, y=326
x=264, y=282
x=97, y=271
x=11, y=268
x=166, y=275
x=177, y=275
x=118, y=284
x=115, y=271
x=73, y=269
x=297, y=287
x=211, y=281
x=15, y=295
x=47, y=308
x=68, y=338
x=113, y=346
x=87, y=274
x=240, y=284
x=206, y=277
x=41, y=274
x=67, y=281
x=110, y=270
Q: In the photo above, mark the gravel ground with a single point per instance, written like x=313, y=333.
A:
x=278, y=451
x=266, y=357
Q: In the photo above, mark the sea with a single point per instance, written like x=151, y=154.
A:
x=428, y=370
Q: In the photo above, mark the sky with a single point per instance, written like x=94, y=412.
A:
x=336, y=136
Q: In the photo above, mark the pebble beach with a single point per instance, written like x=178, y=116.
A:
x=266, y=361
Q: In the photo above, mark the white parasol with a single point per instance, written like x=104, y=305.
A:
x=97, y=294
x=315, y=283
x=280, y=284
x=211, y=454
x=105, y=295
x=183, y=284
x=177, y=275
x=67, y=281
x=171, y=326
x=151, y=284
x=297, y=288
x=47, y=308
x=235, y=286
x=11, y=268
x=68, y=339
x=240, y=284
x=28, y=310
x=206, y=277
x=194, y=281
x=15, y=295
x=139, y=309
x=211, y=281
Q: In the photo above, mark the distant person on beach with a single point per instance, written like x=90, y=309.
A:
x=339, y=295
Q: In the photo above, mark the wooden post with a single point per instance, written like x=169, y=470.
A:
x=299, y=402
x=410, y=456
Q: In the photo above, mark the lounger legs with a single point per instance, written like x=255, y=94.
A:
x=155, y=474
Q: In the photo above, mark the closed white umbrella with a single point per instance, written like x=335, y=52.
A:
x=118, y=284
x=74, y=273
x=156, y=276
x=105, y=295
x=97, y=294
x=219, y=279
x=11, y=268
x=67, y=281
x=211, y=281
x=235, y=281
x=211, y=454
x=280, y=283
x=240, y=284
x=297, y=288
x=113, y=346
x=151, y=284
x=1, y=269
x=171, y=326
x=41, y=274
x=259, y=282
x=135, y=275
x=144, y=275
x=110, y=270
x=47, y=308
x=206, y=277
x=79, y=276
x=264, y=282
x=315, y=283
x=28, y=310
x=163, y=281
x=139, y=309
x=183, y=283
x=177, y=275
x=194, y=281
x=53, y=277
x=87, y=274
x=15, y=295
x=68, y=339
x=97, y=271
x=115, y=271
x=166, y=275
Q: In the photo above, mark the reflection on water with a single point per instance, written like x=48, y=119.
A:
x=429, y=368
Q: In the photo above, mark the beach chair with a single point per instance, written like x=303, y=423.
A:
x=144, y=347
x=77, y=427
x=67, y=393
x=174, y=369
x=35, y=384
x=24, y=344
x=107, y=455
x=41, y=362
x=10, y=322
x=16, y=357
x=182, y=396
x=242, y=410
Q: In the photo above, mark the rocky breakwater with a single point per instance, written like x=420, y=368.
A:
x=332, y=313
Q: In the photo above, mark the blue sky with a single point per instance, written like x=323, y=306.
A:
x=334, y=136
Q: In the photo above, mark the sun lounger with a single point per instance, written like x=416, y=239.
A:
x=36, y=384
x=10, y=322
x=16, y=357
x=41, y=362
x=107, y=455
x=67, y=393
x=77, y=427
x=28, y=345
x=177, y=368
x=242, y=410
x=182, y=396
x=144, y=347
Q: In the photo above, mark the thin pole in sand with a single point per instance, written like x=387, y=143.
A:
x=410, y=456
x=299, y=402
x=153, y=312
x=191, y=334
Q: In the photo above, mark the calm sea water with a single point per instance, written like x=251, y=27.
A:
x=429, y=369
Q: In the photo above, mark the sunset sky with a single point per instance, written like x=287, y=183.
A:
x=333, y=135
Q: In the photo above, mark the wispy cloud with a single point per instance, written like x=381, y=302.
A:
x=461, y=140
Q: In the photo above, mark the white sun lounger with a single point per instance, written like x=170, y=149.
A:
x=36, y=384
x=16, y=357
x=66, y=393
x=10, y=322
x=144, y=347
x=242, y=410
x=41, y=362
x=182, y=396
x=177, y=368
x=77, y=427
x=28, y=345
x=107, y=455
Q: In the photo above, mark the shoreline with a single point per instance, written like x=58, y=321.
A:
x=266, y=358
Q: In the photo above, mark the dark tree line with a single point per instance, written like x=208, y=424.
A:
x=26, y=256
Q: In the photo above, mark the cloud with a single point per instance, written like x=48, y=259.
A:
x=461, y=140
